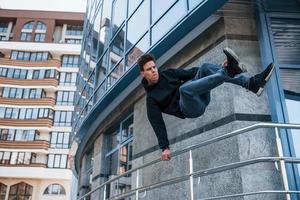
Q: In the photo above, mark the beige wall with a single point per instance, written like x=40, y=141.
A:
x=39, y=187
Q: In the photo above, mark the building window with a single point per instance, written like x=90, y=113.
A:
x=70, y=61
x=3, y=189
x=41, y=26
x=26, y=36
x=65, y=98
x=57, y=161
x=67, y=78
x=4, y=157
x=3, y=71
x=20, y=191
x=3, y=27
x=39, y=37
x=30, y=56
x=28, y=25
x=7, y=134
x=55, y=189
x=74, y=30
x=17, y=158
x=26, y=113
x=60, y=140
x=73, y=41
x=119, y=157
x=22, y=158
x=22, y=93
x=62, y=118
x=18, y=135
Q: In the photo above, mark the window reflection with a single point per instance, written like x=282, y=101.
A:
x=168, y=21
x=132, y=4
x=119, y=159
x=141, y=20
x=118, y=14
x=117, y=48
x=159, y=8
x=115, y=74
x=140, y=48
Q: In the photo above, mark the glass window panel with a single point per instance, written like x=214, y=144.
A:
x=23, y=74
x=132, y=5
x=194, y=3
x=15, y=113
x=6, y=92
x=50, y=160
x=22, y=113
x=28, y=113
x=8, y=112
x=2, y=111
x=28, y=25
x=14, y=55
x=168, y=21
x=13, y=92
x=139, y=19
x=117, y=47
x=56, y=161
x=112, y=162
x=26, y=93
x=159, y=8
x=10, y=73
x=119, y=13
x=141, y=47
x=115, y=74
x=13, y=158
x=26, y=55
x=63, y=163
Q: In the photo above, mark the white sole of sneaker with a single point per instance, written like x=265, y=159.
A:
x=260, y=91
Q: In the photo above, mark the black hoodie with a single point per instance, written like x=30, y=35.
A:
x=164, y=97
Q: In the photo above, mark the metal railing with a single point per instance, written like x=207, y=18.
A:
x=279, y=160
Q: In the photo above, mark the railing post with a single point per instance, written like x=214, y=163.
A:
x=104, y=192
x=282, y=164
x=137, y=184
x=191, y=176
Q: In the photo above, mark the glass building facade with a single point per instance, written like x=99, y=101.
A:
x=118, y=32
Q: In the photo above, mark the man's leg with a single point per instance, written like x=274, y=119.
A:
x=195, y=94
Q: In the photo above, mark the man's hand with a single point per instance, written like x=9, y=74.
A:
x=166, y=155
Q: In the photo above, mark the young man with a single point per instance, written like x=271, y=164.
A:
x=185, y=93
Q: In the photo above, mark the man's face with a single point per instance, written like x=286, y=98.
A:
x=150, y=72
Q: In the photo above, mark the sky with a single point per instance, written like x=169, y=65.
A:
x=49, y=5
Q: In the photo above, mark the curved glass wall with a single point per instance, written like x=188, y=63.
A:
x=116, y=33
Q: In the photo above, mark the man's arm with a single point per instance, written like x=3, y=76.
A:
x=187, y=74
x=156, y=120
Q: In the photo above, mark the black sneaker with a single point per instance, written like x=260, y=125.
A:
x=234, y=66
x=257, y=83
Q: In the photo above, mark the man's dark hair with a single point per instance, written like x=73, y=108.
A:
x=144, y=59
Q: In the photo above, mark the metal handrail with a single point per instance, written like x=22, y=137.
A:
x=208, y=171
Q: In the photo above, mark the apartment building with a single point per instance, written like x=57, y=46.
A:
x=39, y=59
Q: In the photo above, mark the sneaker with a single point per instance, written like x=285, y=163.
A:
x=234, y=66
x=257, y=83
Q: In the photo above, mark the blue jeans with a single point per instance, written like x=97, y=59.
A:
x=195, y=94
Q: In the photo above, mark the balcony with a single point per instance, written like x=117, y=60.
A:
x=36, y=144
x=23, y=165
x=47, y=83
x=28, y=102
x=24, y=63
x=56, y=49
x=34, y=171
x=41, y=124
